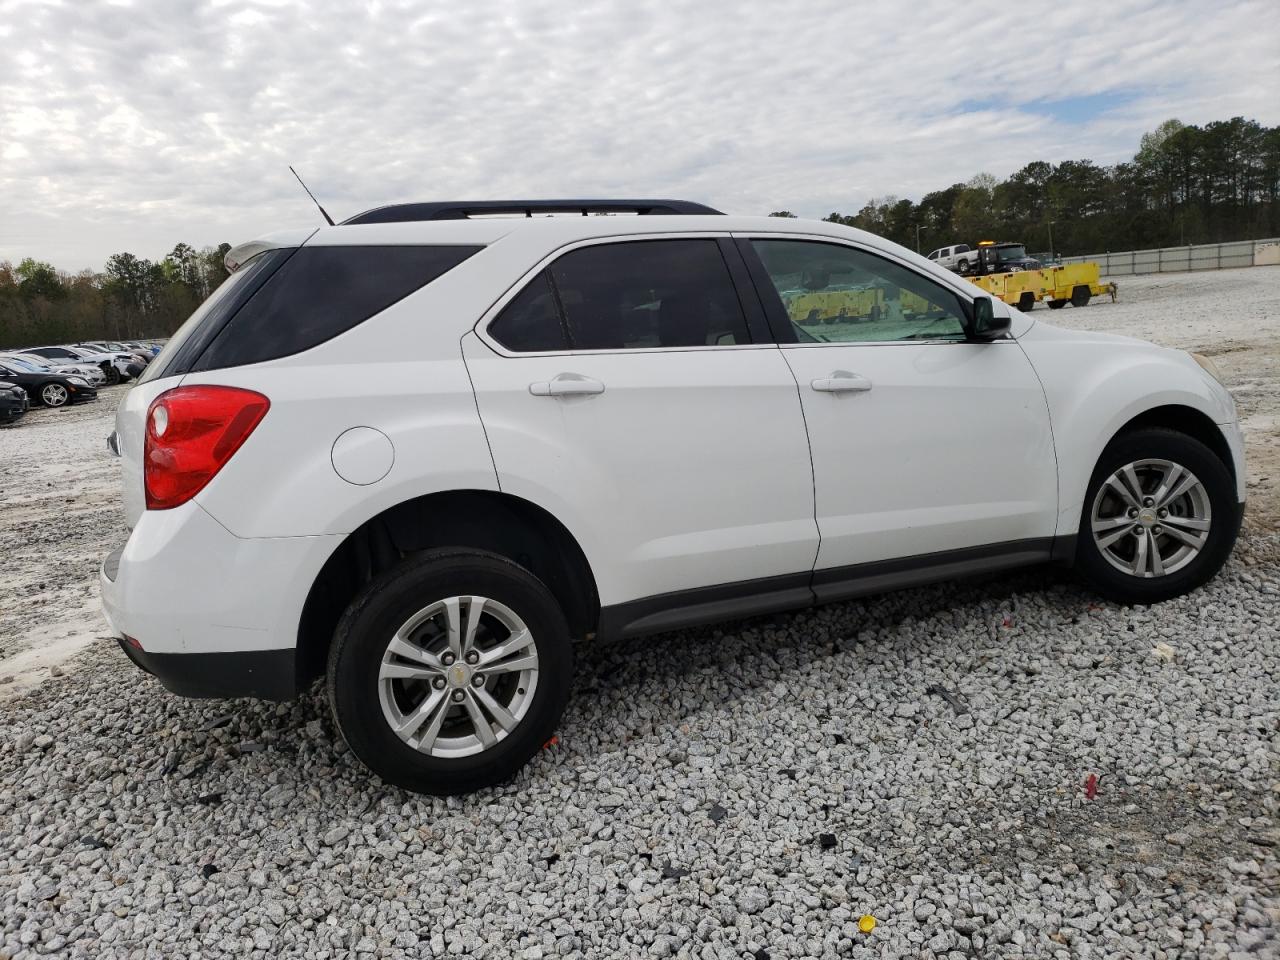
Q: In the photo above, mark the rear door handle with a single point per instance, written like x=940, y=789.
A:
x=567, y=385
x=841, y=381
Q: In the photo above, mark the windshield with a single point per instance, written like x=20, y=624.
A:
x=1012, y=252
x=24, y=365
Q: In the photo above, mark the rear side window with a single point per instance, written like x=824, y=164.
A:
x=191, y=339
x=531, y=322
x=320, y=292
x=627, y=296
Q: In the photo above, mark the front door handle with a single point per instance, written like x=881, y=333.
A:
x=567, y=385
x=841, y=381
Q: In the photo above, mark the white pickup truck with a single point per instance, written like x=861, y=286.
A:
x=986, y=258
x=952, y=258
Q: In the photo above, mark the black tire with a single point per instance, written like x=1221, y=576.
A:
x=387, y=603
x=1191, y=454
x=113, y=375
x=1080, y=297
x=1027, y=302
x=1057, y=304
x=963, y=268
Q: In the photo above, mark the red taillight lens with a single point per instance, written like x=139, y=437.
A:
x=191, y=433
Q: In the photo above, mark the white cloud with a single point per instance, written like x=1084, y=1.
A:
x=136, y=127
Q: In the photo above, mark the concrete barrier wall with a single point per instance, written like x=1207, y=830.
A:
x=1205, y=256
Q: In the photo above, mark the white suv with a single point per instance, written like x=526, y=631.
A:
x=423, y=452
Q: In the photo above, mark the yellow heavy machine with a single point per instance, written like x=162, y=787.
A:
x=1074, y=283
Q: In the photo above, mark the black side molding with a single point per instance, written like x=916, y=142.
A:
x=688, y=608
x=261, y=674
x=860, y=580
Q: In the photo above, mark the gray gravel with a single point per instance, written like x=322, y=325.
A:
x=59, y=514
x=746, y=791
x=142, y=825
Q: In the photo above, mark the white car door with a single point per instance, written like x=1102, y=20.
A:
x=623, y=389
x=928, y=449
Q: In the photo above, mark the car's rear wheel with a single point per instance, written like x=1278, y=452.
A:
x=449, y=672
x=1160, y=517
x=54, y=395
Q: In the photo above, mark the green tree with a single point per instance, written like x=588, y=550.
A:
x=36, y=279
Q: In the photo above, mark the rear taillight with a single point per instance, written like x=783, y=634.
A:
x=191, y=433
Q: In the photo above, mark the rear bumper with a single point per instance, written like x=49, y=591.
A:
x=211, y=614
x=263, y=674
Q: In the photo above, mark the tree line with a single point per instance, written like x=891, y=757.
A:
x=130, y=299
x=1186, y=184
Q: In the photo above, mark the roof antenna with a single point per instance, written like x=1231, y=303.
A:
x=328, y=219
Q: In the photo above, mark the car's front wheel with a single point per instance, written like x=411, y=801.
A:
x=1160, y=517
x=449, y=672
x=54, y=395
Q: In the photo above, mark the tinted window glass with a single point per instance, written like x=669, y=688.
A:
x=531, y=321
x=190, y=340
x=837, y=293
x=321, y=292
x=648, y=293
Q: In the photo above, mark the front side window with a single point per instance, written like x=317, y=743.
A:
x=627, y=296
x=839, y=294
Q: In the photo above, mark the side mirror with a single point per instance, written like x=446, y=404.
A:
x=985, y=325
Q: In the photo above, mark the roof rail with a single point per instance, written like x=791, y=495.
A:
x=462, y=209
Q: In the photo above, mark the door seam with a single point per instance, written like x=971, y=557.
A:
x=813, y=470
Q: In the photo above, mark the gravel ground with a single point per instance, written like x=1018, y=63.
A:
x=59, y=515
x=1000, y=768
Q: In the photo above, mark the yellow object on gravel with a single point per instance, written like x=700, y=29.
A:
x=867, y=923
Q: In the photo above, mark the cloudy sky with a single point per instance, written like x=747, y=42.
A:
x=133, y=125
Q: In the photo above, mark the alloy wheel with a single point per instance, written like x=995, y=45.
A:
x=1151, y=518
x=458, y=676
x=53, y=394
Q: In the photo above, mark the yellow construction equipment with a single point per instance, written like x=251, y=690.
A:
x=1074, y=283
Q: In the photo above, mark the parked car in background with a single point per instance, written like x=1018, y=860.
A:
x=561, y=455
x=89, y=371
x=134, y=352
x=46, y=387
x=118, y=367
x=13, y=402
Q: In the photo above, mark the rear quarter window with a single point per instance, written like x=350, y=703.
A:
x=320, y=292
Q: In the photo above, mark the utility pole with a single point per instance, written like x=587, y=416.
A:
x=917, y=238
x=1051, y=222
